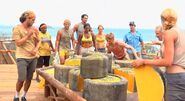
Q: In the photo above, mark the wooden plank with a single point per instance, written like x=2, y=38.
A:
x=69, y=94
x=8, y=80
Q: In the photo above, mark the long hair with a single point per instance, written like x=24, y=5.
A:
x=168, y=18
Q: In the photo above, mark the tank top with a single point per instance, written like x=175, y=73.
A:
x=100, y=39
x=80, y=29
x=179, y=52
x=65, y=39
x=84, y=39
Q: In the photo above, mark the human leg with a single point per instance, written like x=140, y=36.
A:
x=21, y=69
x=30, y=71
x=46, y=60
x=62, y=56
x=19, y=85
x=40, y=63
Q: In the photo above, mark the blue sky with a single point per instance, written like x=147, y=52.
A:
x=109, y=13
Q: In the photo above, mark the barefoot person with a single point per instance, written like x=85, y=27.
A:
x=45, y=48
x=100, y=39
x=173, y=59
x=63, y=41
x=27, y=44
x=118, y=48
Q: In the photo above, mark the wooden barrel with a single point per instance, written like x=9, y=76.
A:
x=61, y=73
x=76, y=82
x=94, y=66
x=110, y=88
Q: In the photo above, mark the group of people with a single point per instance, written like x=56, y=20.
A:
x=34, y=45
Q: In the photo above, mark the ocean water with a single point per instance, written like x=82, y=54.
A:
x=147, y=34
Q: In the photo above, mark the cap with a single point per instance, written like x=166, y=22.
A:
x=132, y=23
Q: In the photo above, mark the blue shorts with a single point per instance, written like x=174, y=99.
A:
x=101, y=50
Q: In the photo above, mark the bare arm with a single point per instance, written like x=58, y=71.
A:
x=94, y=40
x=142, y=44
x=169, y=39
x=79, y=43
x=132, y=49
x=156, y=42
x=21, y=41
x=36, y=40
x=59, y=33
x=73, y=40
x=75, y=29
x=108, y=50
x=51, y=45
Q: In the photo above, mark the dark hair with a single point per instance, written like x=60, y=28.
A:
x=87, y=24
x=100, y=26
x=23, y=17
x=83, y=15
x=132, y=23
x=41, y=26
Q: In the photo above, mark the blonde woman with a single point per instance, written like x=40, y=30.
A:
x=100, y=39
x=173, y=57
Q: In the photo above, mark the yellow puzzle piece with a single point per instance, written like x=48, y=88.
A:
x=149, y=84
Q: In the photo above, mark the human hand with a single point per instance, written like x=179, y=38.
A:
x=33, y=31
x=76, y=41
x=34, y=52
x=53, y=50
x=138, y=62
x=143, y=52
x=30, y=33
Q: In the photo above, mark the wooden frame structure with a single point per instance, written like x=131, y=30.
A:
x=54, y=84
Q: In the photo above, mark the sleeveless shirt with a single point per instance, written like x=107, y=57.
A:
x=80, y=29
x=179, y=52
x=65, y=39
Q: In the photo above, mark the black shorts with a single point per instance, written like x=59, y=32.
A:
x=43, y=60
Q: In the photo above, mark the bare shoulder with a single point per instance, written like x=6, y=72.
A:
x=171, y=34
x=93, y=34
x=17, y=27
x=75, y=27
x=117, y=43
x=59, y=33
x=80, y=35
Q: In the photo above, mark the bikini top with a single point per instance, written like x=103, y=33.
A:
x=84, y=39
